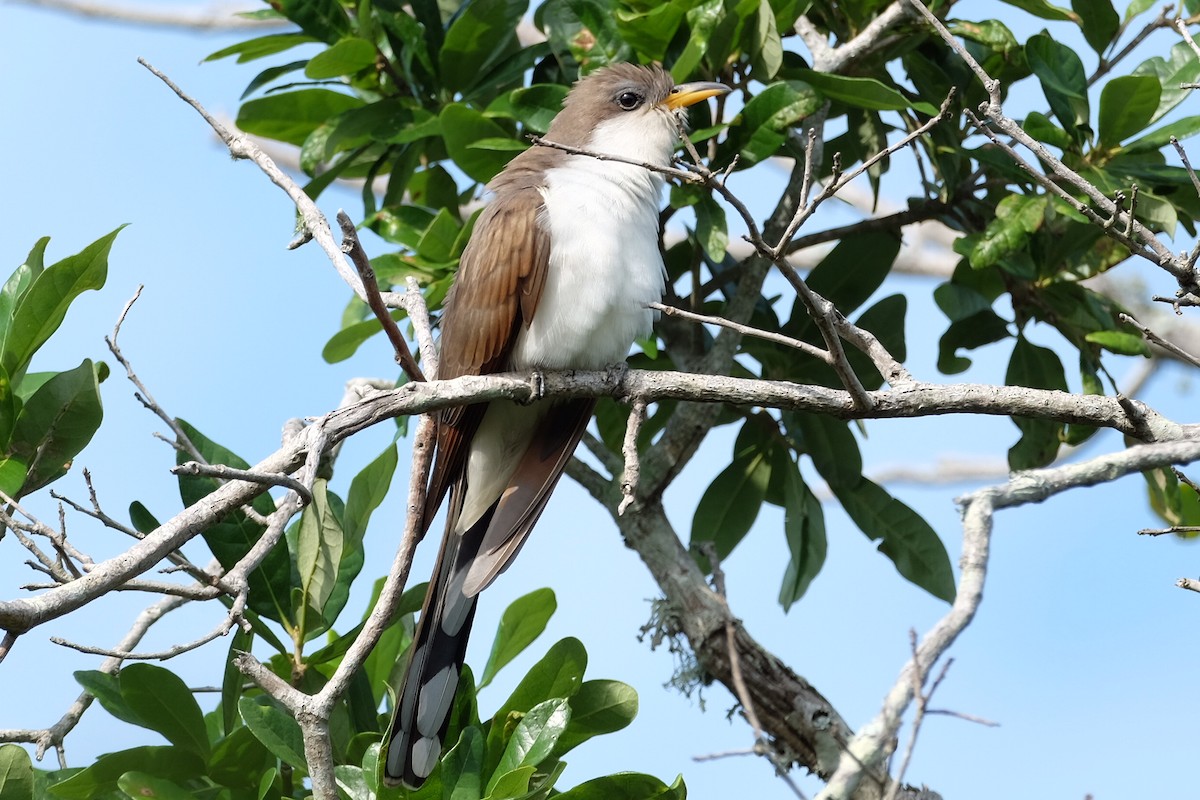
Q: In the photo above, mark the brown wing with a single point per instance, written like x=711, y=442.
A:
x=499, y=282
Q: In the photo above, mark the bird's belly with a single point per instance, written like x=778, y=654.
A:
x=605, y=267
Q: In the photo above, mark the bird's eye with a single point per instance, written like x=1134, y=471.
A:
x=628, y=101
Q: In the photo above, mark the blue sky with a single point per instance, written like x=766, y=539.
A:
x=1082, y=649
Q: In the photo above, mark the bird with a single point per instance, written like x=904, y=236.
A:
x=557, y=275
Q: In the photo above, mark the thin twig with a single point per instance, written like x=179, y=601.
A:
x=233, y=474
x=352, y=246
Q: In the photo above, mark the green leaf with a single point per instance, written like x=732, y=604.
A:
x=761, y=128
x=16, y=773
x=522, y=622
x=1017, y=217
x=512, y=785
x=1180, y=129
x=851, y=272
x=731, y=502
x=1119, y=342
x=232, y=538
x=462, y=127
x=558, y=674
x=865, y=93
x=272, y=726
x=804, y=527
x=367, y=490
x=534, y=106
x=766, y=51
x=905, y=537
x=462, y=766
x=650, y=29
x=1127, y=104
x=1063, y=80
x=476, y=39
x=599, y=707
x=1182, y=68
x=19, y=282
x=702, y=20
x=319, y=551
x=100, y=779
x=831, y=446
x=55, y=424
x=711, y=229
x=41, y=310
x=624, y=786
x=344, y=58
x=1037, y=368
x=1040, y=127
x=261, y=47
x=106, y=689
x=1099, y=21
x=345, y=343
x=139, y=785
x=1043, y=10
x=534, y=737
x=291, y=116
x=437, y=243
x=163, y=703
x=324, y=19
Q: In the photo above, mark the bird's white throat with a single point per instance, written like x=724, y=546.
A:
x=605, y=265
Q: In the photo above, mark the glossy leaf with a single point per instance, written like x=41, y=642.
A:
x=558, y=674
x=43, y=306
x=1063, y=80
x=1179, y=129
x=56, y=423
x=476, y=38
x=1017, y=217
x=711, y=229
x=320, y=541
x=100, y=779
x=272, y=726
x=761, y=128
x=904, y=537
x=512, y=784
x=16, y=773
x=106, y=689
x=650, y=28
x=522, y=622
x=19, y=282
x=1099, y=21
x=1127, y=104
x=534, y=737
x=461, y=128
x=804, y=527
x=625, y=786
x=344, y=58
x=866, y=93
x=1038, y=368
x=1120, y=342
x=323, y=19
x=830, y=444
x=731, y=502
x=462, y=766
x=1182, y=67
x=1043, y=9
x=162, y=702
x=138, y=785
x=599, y=707
x=345, y=343
x=261, y=47
x=291, y=116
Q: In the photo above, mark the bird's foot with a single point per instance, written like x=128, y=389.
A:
x=537, y=387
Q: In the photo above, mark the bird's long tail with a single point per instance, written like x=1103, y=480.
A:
x=423, y=706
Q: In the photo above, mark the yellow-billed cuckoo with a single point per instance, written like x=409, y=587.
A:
x=557, y=275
